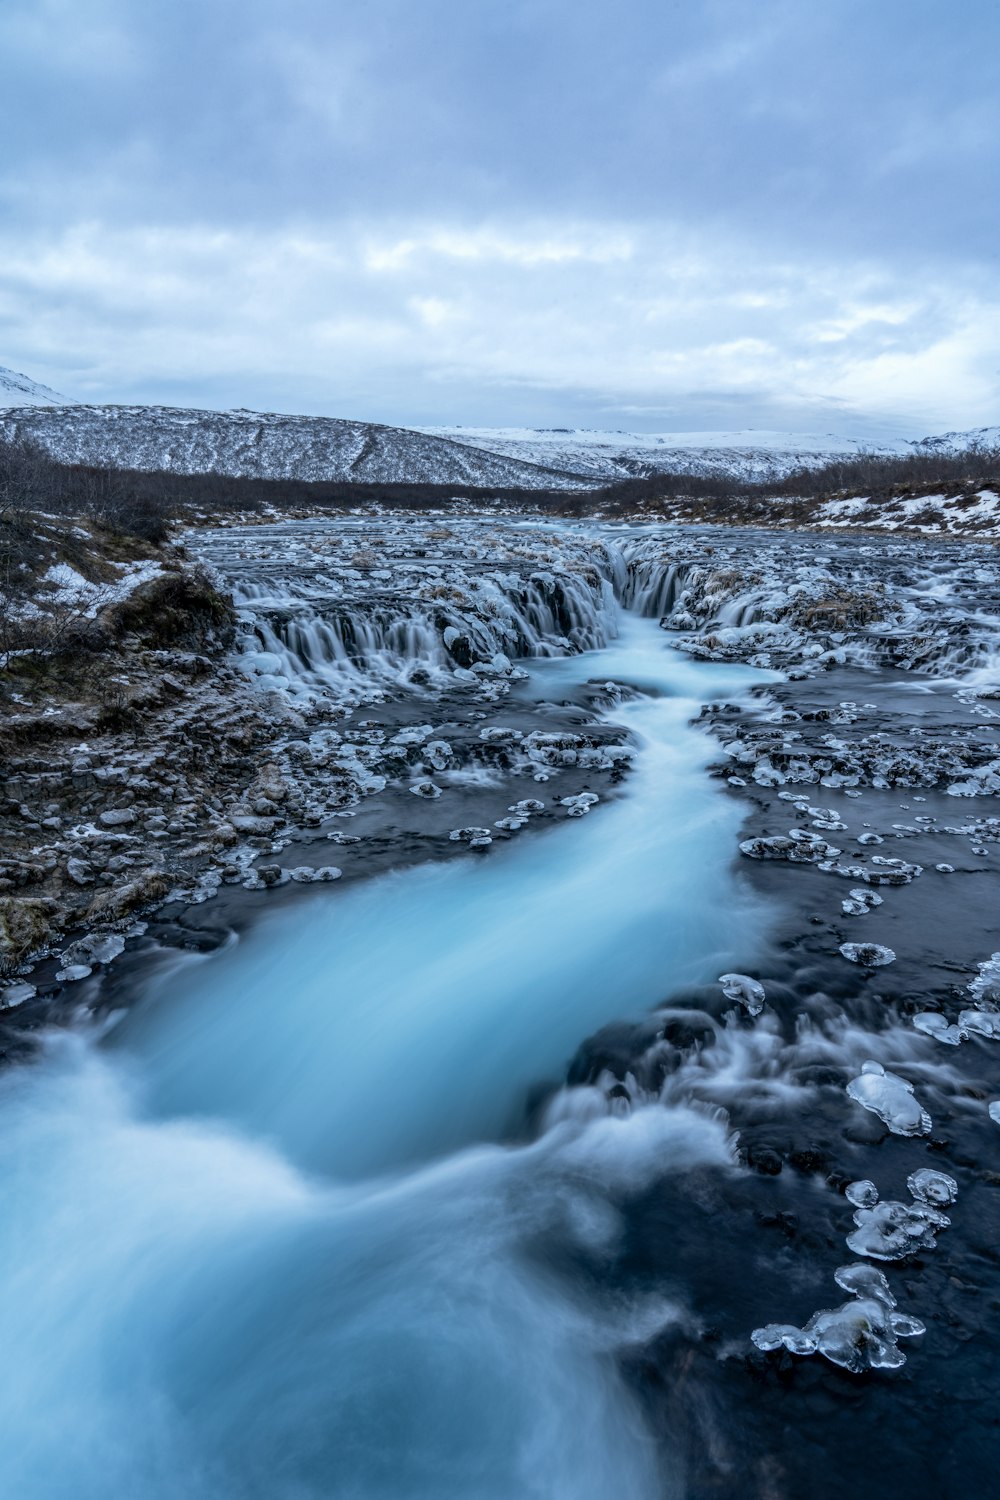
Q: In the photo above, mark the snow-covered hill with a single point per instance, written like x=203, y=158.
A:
x=608, y=456
x=21, y=390
x=267, y=446
x=748, y=454
x=958, y=442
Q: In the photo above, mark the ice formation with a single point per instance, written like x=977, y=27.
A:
x=859, y=1335
x=892, y=1230
x=869, y=955
x=930, y=1186
x=891, y=1098
x=863, y=1194
x=749, y=992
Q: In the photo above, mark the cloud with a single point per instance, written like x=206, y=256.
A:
x=545, y=209
x=477, y=322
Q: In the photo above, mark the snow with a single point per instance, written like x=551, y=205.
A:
x=267, y=445
x=69, y=589
x=21, y=390
x=750, y=453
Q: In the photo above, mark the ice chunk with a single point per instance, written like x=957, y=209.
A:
x=860, y=901
x=932, y=1023
x=986, y=985
x=863, y=1194
x=859, y=1335
x=16, y=994
x=994, y=1108
x=985, y=1023
x=891, y=1098
x=749, y=992
x=893, y=1230
x=580, y=804
x=870, y=955
x=72, y=972
x=864, y=1280
x=778, y=1335
x=930, y=1186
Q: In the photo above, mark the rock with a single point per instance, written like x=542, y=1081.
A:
x=250, y=823
x=80, y=871
x=120, y=817
x=26, y=925
x=145, y=889
x=476, y=838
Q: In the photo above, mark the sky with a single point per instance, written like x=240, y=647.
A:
x=634, y=214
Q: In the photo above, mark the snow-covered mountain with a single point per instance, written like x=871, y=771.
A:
x=21, y=390
x=267, y=445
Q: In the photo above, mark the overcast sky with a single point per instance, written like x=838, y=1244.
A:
x=611, y=213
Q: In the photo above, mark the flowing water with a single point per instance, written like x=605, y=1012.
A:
x=465, y=1181
x=274, y=1236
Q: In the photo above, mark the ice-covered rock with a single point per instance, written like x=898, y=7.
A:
x=73, y=972
x=476, y=838
x=865, y=1280
x=869, y=955
x=984, y=1023
x=891, y=1098
x=425, y=789
x=930, y=1186
x=859, y=1335
x=749, y=992
x=860, y=901
x=577, y=806
x=933, y=1023
x=800, y=847
x=892, y=1230
x=863, y=1194
x=986, y=985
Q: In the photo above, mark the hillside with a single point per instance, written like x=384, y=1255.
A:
x=274, y=446
x=266, y=445
x=751, y=454
x=20, y=390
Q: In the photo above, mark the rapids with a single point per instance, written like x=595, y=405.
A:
x=283, y=1232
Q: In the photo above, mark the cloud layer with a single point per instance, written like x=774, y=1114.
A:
x=646, y=215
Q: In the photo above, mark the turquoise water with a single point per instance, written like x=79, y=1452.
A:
x=263, y=1241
